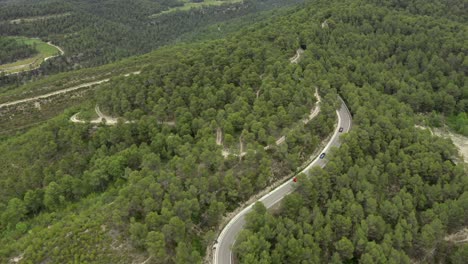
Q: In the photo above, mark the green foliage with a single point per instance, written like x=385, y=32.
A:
x=388, y=195
x=459, y=123
x=138, y=233
x=460, y=254
x=156, y=245
x=12, y=50
x=169, y=173
x=95, y=33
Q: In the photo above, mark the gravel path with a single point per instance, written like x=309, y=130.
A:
x=84, y=85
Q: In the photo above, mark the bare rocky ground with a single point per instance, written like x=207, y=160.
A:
x=459, y=237
x=460, y=141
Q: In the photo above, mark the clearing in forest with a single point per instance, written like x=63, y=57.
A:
x=188, y=4
x=460, y=141
x=46, y=51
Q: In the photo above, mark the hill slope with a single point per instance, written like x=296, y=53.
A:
x=147, y=190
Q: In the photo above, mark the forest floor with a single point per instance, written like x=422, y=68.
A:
x=46, y=51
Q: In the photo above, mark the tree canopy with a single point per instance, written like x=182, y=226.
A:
x=159, y=185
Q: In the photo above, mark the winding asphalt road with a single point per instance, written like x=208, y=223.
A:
x=222, y=252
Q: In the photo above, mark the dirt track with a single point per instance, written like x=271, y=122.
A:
x=84, y=85
x=313, y=113
x=296, y=57
x=31, y=63
x=102, y=117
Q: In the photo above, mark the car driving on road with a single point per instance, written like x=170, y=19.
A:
x=322, y=155
x=340, y=130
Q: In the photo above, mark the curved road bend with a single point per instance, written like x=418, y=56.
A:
x=222, y=252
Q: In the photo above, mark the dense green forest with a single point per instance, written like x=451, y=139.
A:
x=167, y=186
x=459, y=123
x=391, y=193
x=12, y=50
x=158, y=185
x=95, y=33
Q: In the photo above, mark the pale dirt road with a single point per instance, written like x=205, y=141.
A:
x=75, y=119
x=316, y=110
x=219, y=137
x=222, y=249
x=57, y=47
x=23, y=66
x=84, y=85
x=53, y=93
x=18, y=67
x=109, y=119
x=313, y=113
x=296, y=57
x=101, y=117
x=459, y=237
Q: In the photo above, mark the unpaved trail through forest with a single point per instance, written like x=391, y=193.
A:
x=101, y=117
x=313, y=113
x=43, y=96
x=296, y=57
x=24, y=66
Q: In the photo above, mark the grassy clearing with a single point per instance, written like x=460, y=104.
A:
x=73, y=78
x=189, y=5
x=45, y=51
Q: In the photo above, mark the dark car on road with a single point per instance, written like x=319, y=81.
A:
x=341, y=129
x=322, y=155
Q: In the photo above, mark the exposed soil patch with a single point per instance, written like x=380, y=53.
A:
x=459, y=237
x=296, y=57
x=461, y=142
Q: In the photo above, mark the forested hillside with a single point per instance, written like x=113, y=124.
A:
x=156, y=185
x=12, y=50
x=391, y=193
x=94, y=33
x=163, y=177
